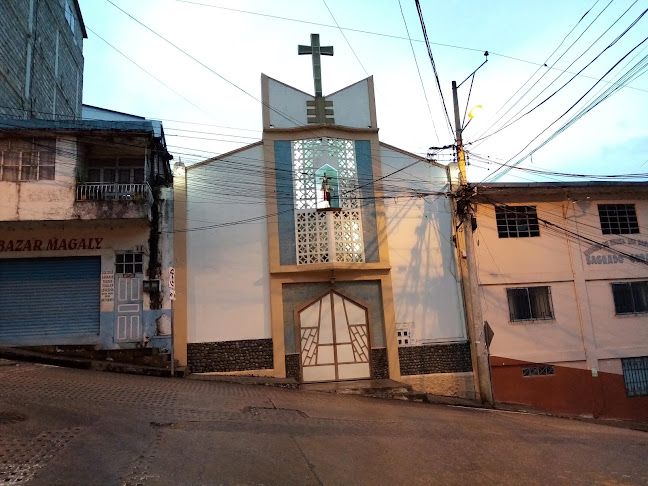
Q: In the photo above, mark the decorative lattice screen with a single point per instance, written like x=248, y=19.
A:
x=326, y=236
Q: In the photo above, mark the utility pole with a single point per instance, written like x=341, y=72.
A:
x=464, y=193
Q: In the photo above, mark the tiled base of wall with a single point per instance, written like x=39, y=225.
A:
x=292, y=366
x=379, y=364
x=460, y=385
x=224, y=356
x=435, y=358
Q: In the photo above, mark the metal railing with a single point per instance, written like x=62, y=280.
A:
x=99, y=191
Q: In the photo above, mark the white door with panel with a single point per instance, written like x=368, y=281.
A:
x=334, y=339
x=128, y=298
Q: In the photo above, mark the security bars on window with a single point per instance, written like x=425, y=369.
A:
x=517, y=221
x=630, y=297
x=544, y=370
x=618, y=219
x=313, y=228
x=27, y=159
x=530, y=304
x=635, y=374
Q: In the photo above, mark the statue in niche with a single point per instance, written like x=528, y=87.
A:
x=327, y=189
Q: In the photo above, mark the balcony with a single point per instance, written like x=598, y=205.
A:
x=99, y=200
x=99, y=191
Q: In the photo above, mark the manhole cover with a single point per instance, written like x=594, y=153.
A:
x=11, y=417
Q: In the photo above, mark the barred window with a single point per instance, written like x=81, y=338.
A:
x=630, y=297
x=635, y=375
x=618, y=219
x=517, y=221
x=530, y=304
x=543, y=370
x=27, y=159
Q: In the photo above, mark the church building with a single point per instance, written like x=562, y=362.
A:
x=324, y=254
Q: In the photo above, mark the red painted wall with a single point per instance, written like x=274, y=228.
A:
x=569, y=391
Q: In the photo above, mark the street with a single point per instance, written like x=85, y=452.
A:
x=74, y=427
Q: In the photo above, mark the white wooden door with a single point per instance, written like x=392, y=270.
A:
x=334, y=339
x=129, y=308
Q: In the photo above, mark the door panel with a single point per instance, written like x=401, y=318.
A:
x=333, y=347
x=129, y=309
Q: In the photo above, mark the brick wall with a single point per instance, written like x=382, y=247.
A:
x=225, y=356
x=49, y=92
x=435, y=358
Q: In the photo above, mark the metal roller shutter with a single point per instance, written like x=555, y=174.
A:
x=49, y=300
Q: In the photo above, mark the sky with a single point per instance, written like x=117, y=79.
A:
x=196, y=65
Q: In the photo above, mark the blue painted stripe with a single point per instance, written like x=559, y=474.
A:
x=45, y=299
x=285, y=202
x=365, y=178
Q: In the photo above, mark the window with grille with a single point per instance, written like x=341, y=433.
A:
x=542, y=370
x=129, y=263
x=618, y=219
x=635, y=375
x=517, y=221
x=530, y=304
x=630, y=297
x=335, y=235
x=31, y=159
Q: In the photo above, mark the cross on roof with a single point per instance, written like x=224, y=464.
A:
x=316, y=50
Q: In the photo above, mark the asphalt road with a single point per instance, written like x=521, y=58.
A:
x=71, y=427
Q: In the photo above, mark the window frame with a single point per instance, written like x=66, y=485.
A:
x=631, y=294
x=510, y=219
x=609, y=211
x=32, y=155
x=638, y=366
x=129, y=261
x=549, y=304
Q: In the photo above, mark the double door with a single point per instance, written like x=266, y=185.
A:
x=334, y=339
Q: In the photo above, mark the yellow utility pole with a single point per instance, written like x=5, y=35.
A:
x=463, y=194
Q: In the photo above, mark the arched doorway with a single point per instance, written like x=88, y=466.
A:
x=334, y=339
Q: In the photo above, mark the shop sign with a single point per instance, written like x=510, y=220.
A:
x=52, y=244
x=107, y=286
x=612, y=257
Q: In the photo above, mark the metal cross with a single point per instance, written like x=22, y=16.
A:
x=316, y=51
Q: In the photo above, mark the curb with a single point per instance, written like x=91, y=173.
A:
x=16, y=354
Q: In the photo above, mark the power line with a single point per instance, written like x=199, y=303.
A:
x=573, y=77
x=345, y=38
x=436, y=74
x=482, y=136
x=615, y=87
x=427, y=102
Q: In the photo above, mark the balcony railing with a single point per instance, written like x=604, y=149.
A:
x=99, y=191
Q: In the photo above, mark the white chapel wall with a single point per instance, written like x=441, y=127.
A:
x=228, y=281
x=424, y=269
x=351, y=105
x=287, y=105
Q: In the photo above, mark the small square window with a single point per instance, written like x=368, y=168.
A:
x=630, y=297
x=618, y=219
x=129, y=263
x=635, y=375
x=530, y=304
x=517, y=221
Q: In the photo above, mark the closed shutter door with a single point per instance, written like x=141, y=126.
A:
x=49, y=300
